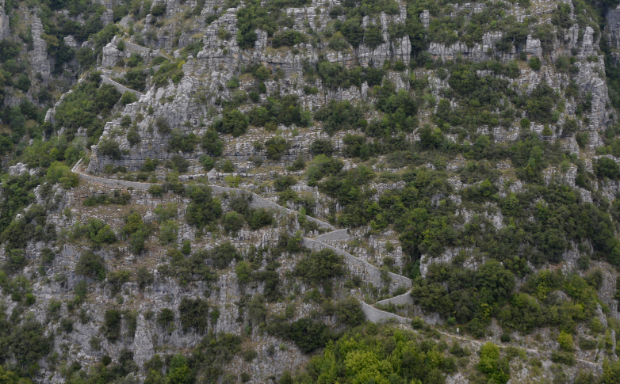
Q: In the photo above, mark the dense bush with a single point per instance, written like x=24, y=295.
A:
x=85, y=107
x=112, y=325
x=284, y=110
x=212, y=144
x=223, y=255
x=606, y=167
x=367, y=354
x=234, y=123
x=233, y=222
x=259, y=218
x=110, y=148
x=116, y=197
x=349, y=312
x=90, y=265
x=203, y=208
x=180, y=142
x=337, y=116
x=276, y=147
x=319, y=268
x=288, y=38
x=135, y=231
x=194, y=315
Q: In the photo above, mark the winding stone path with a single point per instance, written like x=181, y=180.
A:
x=367, y=271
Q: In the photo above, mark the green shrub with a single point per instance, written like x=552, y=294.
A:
x=339, y=115
x=60, y=173
x=168, y=232
x=496, y=369
x=178, y=163
x=233, y=222
x=234, y=122
x=222, y=255
x=90, y=265
x=349, y=312
x=260, y=218
x=587, y=344
x=165, y=319
x=203, y=208
x=535, y=63
x=194, y=315
x=112, y=325
x=156, y=190
x=212, y=144
x=244, y=272
x=276, y=147
x=179, y=142
x=133, y=137
x=607, y=168
x=249, y=355
x=128, y=98
x=158, y=10
x=309, y=335
x=117, y=279
x=373, y=37
x=288, y=38
x=110, y=148
x=322, y=147
x=566, y=341
x=99, y=232
x=563, y=358
x=162, y=126
x=117, y=197
x=144, y=278
x=320, y=267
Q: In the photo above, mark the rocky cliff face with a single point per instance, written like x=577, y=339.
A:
x=427, y=151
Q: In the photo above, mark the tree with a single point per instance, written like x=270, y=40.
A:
x=309, y=335
x=23, y=83
x=28, y=344
x=223, y=254
x=133, y=137
x=244, y=272
x=110, y=148
x=276, y=147
x=322, y=147
x=112, y=324
x=106, y=97
x=373, y=37
x=611, y=372
x=128, y=98
x=212, y=143
x=349, y=311
x=234, y=123
x=233, y=222
x=203, y=209
x=194, y=314
x=490, y=364
x=320, y=267
x=606, y=167
x=90, y=265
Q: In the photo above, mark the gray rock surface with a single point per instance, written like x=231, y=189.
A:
x=38, y=56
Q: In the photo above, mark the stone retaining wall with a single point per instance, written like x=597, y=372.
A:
x=378, y=316
x=338, y=235
x=368, y=272
x=119, y=87
x=405, y=298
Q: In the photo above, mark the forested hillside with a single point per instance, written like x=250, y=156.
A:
x=308, y=191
